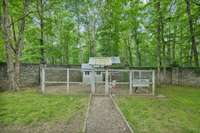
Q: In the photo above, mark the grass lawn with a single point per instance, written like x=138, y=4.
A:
x=179, y=112
x=29, y=107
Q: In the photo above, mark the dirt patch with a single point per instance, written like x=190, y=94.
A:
x=74, y=89
x=104, y=118
x=74, y=125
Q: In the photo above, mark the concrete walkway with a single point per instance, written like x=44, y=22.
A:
x=104, y=117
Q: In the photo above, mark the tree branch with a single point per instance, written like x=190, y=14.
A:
x=22, y=17
x=196, y=2
x=13, y=29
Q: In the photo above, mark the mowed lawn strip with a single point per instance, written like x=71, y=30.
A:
x=29, y=106
x=179, y=112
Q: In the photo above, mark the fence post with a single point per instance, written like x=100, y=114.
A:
x=153, y=82
x=106, y=84
x=43, y=78
x=92, y=80
x=67, y=80
x=130, y=82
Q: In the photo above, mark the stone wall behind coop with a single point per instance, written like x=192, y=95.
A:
x=30, y=75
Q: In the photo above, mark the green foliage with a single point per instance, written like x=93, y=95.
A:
x=30, y=107
x=76, y=30
x=178, y=112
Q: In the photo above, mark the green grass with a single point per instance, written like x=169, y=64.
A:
x=179, y=112
x=29, y=106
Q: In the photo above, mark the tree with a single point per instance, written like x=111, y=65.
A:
x=158, y=39
x=69, y=32
x=40, y=9
x=19, y=40
x=194, y=52
x=8, y=46
x=13, y=44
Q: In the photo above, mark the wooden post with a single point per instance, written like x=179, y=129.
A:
x=92, y=81
x=153, y=82
x=106, y=83
x=140, y=75
x=67, y=80
x=43, y=79
x=130, y=82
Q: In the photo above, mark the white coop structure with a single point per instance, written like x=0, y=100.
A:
x=87, y=71
x=100, y=65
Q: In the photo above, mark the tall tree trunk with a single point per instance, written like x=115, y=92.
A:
x=163, y=48
x=78, y=32
x=8, y=46
x=181, y=49
x=169, y=57
x=174, y=46
x=67, y=53
x=192, y=34
x=128, y=45
x=94, y=37
x=19, y=42
x=40, y=8
x=138, y=54
x=158, y=40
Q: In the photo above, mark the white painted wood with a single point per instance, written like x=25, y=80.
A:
x=67, y=80
x=92, y=80
x=117, y=83
x=140, y=74
x=103, y=70
x=93, y=77
x=55, y=82
x=106, y=83
x=130, y=82
x=61, y=82
x=153, y=82
x=141, y=83
x=43, y=79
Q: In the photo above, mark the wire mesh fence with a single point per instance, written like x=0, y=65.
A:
x=65, y=81
x=97, y=81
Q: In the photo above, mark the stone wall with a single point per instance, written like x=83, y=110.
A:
x=61, y=75
x=30, y=75
x=186, y=76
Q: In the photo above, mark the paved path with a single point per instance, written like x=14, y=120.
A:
x=104, y=117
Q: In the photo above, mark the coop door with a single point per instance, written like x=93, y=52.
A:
x=99, y=82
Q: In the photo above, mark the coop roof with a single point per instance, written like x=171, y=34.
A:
x=86, y=67
x=115, y=60
x=103, y=61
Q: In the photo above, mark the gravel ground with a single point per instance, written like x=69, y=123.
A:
x=104, y=117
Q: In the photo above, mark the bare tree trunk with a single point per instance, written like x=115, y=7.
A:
x=40, y=9
x=78, y=32
x=163, y=48
x=8, y=46
x=169, y=57
x=128, y=44
x=94, y=37
x=158, y=40
x=138, y=54
x=174, y=46
x=193, y=41
x=19, y=43
x=181, y=49
x=67, y=53
x=89, y=39
x=127, y=49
